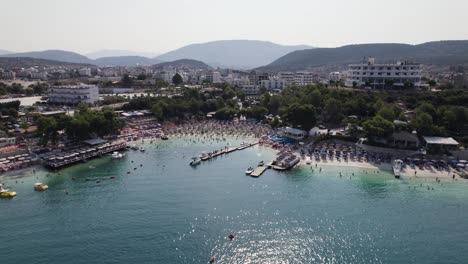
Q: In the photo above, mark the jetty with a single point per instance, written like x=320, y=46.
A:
x=207, y=156
x=261, y=169
x=83, y=154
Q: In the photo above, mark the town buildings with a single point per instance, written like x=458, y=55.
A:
x=371, y=74
x=73, y=94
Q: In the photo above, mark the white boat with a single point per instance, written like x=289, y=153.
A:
x=117, y=155
x=261, y=163
x=142, y=149
x=397, y=165
x=249, y=171
x=308, y=160
x=134, y=147
x=195, y=161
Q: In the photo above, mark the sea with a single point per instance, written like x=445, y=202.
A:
x=159, y=209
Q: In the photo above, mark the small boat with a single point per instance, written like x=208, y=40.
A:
x=40, y=187
x=5, y=193
x=164, y=138
x=308, y=160
x=116, y=155
x=249, y=171
x=261, y=163
x=397, y=165
x=142, y=149
x=195, y=161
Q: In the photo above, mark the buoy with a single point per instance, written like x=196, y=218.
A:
x=231, y=236
x=212, y=259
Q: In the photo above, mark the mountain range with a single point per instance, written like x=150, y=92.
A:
x=183, y=63
x=237, y=54
x=437, y=52
x=119, y=53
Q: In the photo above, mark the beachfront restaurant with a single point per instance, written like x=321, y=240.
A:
x=292, y=133
x=404, y=139
x=440, y=144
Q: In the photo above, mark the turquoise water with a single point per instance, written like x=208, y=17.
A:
x=169, y=212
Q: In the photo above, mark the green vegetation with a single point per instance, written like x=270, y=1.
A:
x=16, y=88
x=84, y=124
x=177, y=79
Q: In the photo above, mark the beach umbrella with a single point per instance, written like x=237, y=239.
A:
x=463, y=161
x=461, y=165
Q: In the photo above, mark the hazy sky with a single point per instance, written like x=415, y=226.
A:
x=159, y=26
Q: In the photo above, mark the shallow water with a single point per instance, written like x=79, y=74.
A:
x=169, y=212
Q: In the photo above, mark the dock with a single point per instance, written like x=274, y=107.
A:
x=226, y=150
x=68, y=158
x=259, y=171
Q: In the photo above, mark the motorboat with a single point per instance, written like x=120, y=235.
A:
x=249, y=170
x=117, y=155
x=164, y=138
x=5, y=193
x=142, y=149
x=397, y=165
x=261, y=163
x=40, y=187
x=308, y=160
x=195, y=161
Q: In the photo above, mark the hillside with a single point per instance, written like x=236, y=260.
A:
x=440, y=52
x=241, y=54
x=118, y=53
x=56, y=55
x=4, y=52
x=125, y=61
x=8, y=63
x=184, y=63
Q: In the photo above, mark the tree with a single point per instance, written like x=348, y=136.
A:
x=299, y=115
x=127, y=81
x=387, y=113
x=177, y=79
x=46, y=127
x=378, y=127
x=141, y=77
x=423, y=123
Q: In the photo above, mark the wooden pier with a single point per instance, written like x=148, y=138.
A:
x=259, y=171
x=227, y=150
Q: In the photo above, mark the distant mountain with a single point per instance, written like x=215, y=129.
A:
x=184, y=63
x=8, y=63
x=240, y=54
x=439, y=52
x=119, y=53
x=72, y=57
x=56, y=55
x=125, y=61
x=4, y=52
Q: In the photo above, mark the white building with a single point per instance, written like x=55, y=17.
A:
x=164, y=76
x=7, y=141
x=84, y=72
x=292, y=133
x=250, y=90
x=334, y=76
x=73, y=94
x=38, y=76
x=239, y=82
x=274, y=84
x=372, y=74
x=213, y=77
x=10, y=75
x=304, y=78
x=288, y=77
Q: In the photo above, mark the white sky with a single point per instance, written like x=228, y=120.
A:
x=158, y=26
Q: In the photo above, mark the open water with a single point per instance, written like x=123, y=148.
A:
x=165, y=211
